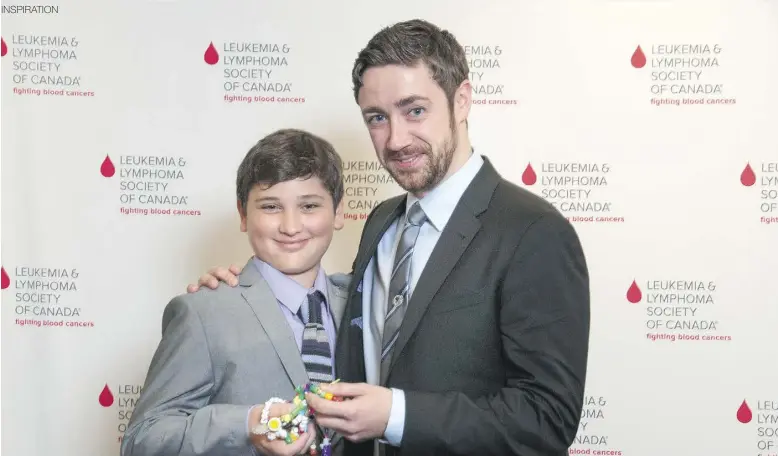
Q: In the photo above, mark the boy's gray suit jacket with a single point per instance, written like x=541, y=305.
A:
x=222, y=351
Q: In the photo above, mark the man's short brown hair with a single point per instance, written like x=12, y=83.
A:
x=410, y=43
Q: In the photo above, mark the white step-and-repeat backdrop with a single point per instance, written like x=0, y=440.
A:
x=651, y=124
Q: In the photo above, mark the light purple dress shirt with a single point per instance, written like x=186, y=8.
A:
x=293, y=297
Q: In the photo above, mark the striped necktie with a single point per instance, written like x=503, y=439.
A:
x=399, y=284
x=315, y=350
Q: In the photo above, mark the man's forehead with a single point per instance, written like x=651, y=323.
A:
x=396, y=75
x=396, y=90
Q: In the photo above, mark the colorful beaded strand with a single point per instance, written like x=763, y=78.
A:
x=291, y=426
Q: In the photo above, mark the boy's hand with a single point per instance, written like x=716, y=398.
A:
x=279, y=447
x=211, y=278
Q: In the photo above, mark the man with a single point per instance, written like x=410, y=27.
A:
x=468, y=310
x=226, y=353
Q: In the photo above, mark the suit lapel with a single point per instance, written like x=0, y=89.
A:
x=375, y=231
x=454, y=240
x=260, y=298
x=337, y=292
x=451, y=245
x=349, y=349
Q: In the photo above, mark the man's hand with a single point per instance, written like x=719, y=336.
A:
x=362, y=415
x=211, y=278
x=279, y=447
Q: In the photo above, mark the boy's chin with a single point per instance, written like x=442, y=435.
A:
x=296, y=268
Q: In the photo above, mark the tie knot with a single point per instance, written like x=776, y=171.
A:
x=416, y=215
x=316, y=297
x=314, y=307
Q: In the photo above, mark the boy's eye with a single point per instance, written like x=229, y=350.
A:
x=306, y=207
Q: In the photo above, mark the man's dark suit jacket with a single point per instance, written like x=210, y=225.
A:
x=492, y=351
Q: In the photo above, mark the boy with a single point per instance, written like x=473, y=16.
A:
x=225, y=352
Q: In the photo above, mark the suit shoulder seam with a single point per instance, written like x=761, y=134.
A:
x=530, y=225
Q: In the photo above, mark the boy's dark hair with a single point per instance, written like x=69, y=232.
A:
x=290, y=154
x=409, y=43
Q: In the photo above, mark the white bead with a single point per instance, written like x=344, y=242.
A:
x=266, y=409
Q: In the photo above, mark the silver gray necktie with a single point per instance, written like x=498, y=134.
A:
x=399, y=284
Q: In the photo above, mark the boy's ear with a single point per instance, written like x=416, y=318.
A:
x=339, y=218
x=242, y=213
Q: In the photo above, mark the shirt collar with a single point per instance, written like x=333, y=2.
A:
x=286, y=290
x=440, y=202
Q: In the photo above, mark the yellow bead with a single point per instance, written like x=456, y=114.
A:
x=296, y=400
x=328, y=396
x=294, y=437
x=274, y=424
x=286, y=418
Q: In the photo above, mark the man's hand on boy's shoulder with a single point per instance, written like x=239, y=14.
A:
x=212, y=277
x=230, y=275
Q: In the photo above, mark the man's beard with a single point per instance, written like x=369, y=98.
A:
x=431, y=174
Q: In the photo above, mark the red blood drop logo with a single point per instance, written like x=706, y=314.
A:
x=211, y=56
x=634, y=295
x=747, y=177
x=107, y=169
x=5, y=281
x=106, y=397
x=528, y=176
x=3, y=48
x=638, y=58
x=744, y=413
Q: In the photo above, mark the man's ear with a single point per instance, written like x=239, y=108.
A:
x=463, y=100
